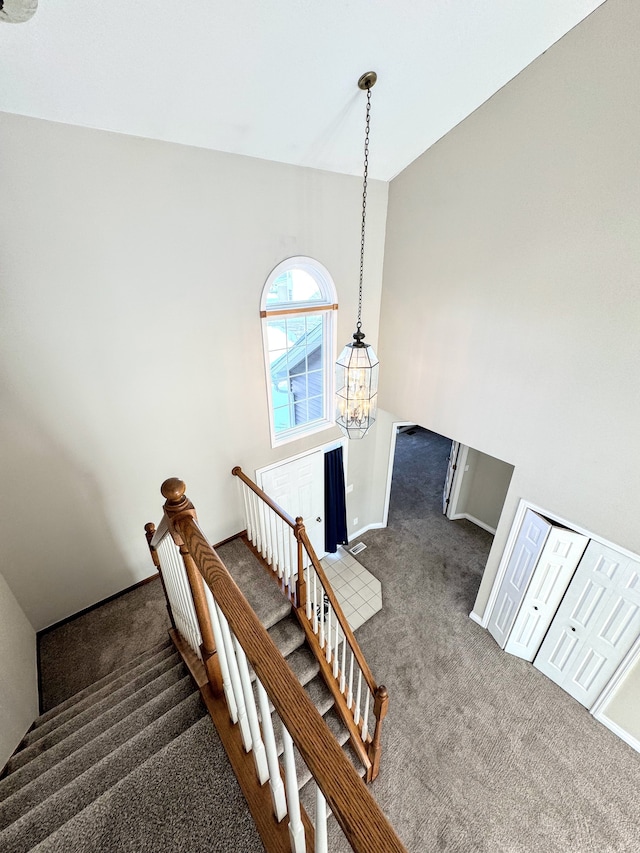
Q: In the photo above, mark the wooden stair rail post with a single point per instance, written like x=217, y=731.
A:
x=380, y=708
x=150, y=531
x=301, y=584
x=178, y=506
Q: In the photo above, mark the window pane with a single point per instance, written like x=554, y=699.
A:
x=296, y=285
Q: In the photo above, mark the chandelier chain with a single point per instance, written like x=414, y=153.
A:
x=364, y=204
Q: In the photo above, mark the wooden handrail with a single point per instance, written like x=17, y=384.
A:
x=238, y=472
x=358, y=814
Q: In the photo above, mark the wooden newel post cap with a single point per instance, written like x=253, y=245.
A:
x=173, y=490
x=150, y=527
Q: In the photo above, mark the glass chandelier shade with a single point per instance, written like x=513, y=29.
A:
x=356, y=388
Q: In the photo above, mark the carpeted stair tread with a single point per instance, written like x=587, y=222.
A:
x=165, y=645
x=185, y=797
x=99, y=716
x=261, y=591
x=287, y=635
x=61, y=806
x=47, y=782
x=94, y=693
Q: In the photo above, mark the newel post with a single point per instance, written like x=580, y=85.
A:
x=380, y=708
x=178, y=506
x=150, y=532
x=301, y=584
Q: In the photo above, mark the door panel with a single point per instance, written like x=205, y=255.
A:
x=595, y=626
x=556, y=565
x=298, y=487
x=531, y=539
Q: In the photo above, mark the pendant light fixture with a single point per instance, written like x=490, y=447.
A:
x=357, y=365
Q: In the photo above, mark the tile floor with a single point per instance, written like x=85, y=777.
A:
x=359, y=593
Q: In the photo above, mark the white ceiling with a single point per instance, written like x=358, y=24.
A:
x=276, y=79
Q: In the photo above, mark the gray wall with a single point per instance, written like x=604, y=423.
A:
x=130, y=340
x=18, y=676
x=483, y=488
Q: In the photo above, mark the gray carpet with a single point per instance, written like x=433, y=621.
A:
x=76, y=655
x=481, y=752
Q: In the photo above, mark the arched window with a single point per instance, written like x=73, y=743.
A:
x=298, y=312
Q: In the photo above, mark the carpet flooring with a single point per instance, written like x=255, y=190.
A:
x=481, y=752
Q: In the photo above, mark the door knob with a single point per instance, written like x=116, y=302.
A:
x=318, y=518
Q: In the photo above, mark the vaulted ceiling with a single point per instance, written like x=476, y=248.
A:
x=276, y=79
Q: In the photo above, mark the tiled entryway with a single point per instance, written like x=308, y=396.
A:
x=359, y=593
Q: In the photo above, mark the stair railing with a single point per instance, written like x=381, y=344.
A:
x=284, y=544
x=229, y=639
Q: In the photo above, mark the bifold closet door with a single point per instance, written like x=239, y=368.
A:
x=524, y=557
x=553, y=572
x=595, y=625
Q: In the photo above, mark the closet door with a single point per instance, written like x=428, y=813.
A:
x=595, y=626
x=556, y=565
x=526, y=551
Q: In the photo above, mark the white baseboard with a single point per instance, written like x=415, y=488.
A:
x=377, y=525
x=624, y=735
x=456, y=516
x=475, y=618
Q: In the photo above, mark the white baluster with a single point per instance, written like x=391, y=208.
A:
x=247, y=517
x=320, y=608
x=321, y=822
x=256, y=512
x=343, y=674
x=308, y=588
x=350, y=692
x=234, y=673
x=336, y=654
x=259, y=755
x=328, y=643
x=315, y=604
x=275, y=780
x=293, y=554
x=365, y=717
x=272, y=537
x=296, y=829
x=356, y=713
x=280, y=546
x=222, y=656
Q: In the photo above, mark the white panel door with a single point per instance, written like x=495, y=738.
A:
x=526, y=551
x=298, y=487
x=554, y=570
x=596, y=624
x=451, y=470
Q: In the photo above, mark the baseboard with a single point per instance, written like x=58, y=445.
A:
x=377, y=525
x=473, y=520
x=624, y=735
x=477, y=619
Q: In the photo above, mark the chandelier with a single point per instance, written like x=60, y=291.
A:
x=357, y=365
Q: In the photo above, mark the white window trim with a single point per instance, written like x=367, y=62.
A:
x=326, y=309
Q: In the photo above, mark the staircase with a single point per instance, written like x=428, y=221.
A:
x=133, y=762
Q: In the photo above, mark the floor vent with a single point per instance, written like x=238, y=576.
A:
x=357, y=548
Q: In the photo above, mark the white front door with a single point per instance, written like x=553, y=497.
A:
x=556, y=565
x=298, y=487
x=528, y=547
x=596, y=624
